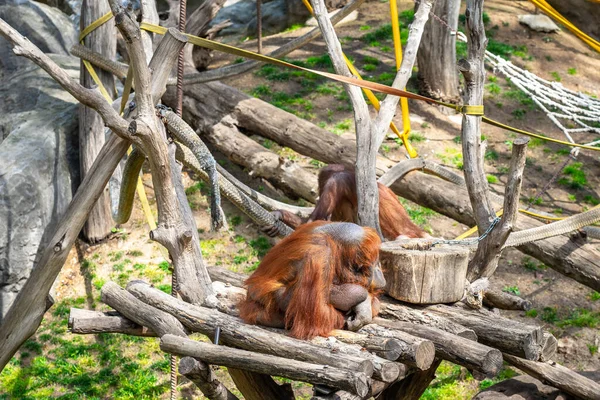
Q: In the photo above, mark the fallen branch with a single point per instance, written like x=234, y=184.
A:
x=505, y=301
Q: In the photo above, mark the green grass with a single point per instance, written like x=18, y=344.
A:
x=556, y=76
x=491, y=155
x=572, y=71
x=415, y=137
x=594, y=296
x=581, y=317
x=592, y=348
x=533, y=313
x=451, y=156
x=589, y=199
x=369, y=67
x=574, y=176
x=512, y=289
x=491, y=179
x=549, y=315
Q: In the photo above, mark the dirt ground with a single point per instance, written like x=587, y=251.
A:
x=554, y=296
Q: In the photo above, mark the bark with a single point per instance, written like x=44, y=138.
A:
x=485, y=261
x=560, y=377
x=250, y=337
x=413, y=386
x=403, y=313
x=355, y=382
x=472, y=355
x=493, y=330
x=505, y=301
x=424, y=277
x=200, y=373
x=438, y=75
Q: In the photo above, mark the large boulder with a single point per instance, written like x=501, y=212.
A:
x=46, y=27
x=39, y=167
x=277, y=15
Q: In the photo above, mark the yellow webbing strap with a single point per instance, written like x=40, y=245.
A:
x=125, y=97
x=371, y=96
x=475, y=110
x=403, y=100
x=555, y=15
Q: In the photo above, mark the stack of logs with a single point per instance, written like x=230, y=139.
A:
x=403, y=343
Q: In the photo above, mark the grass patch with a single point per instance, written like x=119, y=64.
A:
x=415, y=137
x=572, y=71
x=512, y=289
x=549, y=315
x=533, y=313
x=491, y=179
x=581, y=317
x=594, y=296
x=574, y=176
x=451, y=156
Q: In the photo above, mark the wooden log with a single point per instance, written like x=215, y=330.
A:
x=413, y=350
x=202, y=375
x=388, y=348
x=560, y=377
x=260, y=386
x=509, y=336
x=424, y=277
x=550, y=347
x=260, y=161
x=102, y=40
x=472, y=355
x=339, y=395
x=91, y=322
x=384, y=370
x=139, y=312
x=235, y=333
x=413, y=386
x=355, y=382
x=505, y=301
x=32, y=299
x=568, y=254
x=403, y=313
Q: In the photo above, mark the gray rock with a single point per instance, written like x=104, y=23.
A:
x=47, y=27
x=538, y=23
x=39, y=167
x=277, y=15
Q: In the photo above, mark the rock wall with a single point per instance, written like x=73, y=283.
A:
x=38, y=150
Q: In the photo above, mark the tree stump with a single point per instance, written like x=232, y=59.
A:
x=420, y=275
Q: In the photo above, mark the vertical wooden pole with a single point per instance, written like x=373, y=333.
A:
x=91, y=128
x=259, y=25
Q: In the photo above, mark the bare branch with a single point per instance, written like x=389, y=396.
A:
x=366, y=179
x=485, y=261
x=389, y=104
x=90, y=97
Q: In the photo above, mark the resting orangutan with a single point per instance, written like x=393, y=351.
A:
x=310, y=280
x=338, y=202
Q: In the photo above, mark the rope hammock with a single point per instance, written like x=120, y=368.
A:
x=580, y=111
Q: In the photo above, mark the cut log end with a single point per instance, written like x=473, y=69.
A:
x=424, y=355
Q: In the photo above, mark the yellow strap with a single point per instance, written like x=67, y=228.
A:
x=552, y=13
x=373, y=86
x=125, y=97
x=371, y=96
x=91, y=27
x=403, y=101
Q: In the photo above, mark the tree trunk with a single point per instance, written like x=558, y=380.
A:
x=438, y=76
x=91, y=128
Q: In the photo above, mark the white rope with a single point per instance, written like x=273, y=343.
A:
x=556, y=101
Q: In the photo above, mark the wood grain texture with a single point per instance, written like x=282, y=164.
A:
x=102, y=40
x=424, y=277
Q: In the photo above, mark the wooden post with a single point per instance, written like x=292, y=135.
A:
x=91, y=127
x=429, y=276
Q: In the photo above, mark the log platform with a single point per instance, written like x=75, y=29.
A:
x=404, y=345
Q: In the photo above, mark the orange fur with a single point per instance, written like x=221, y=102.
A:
x=338, y=202
x=303, y=267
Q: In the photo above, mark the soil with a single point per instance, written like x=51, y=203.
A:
x=554, y=296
